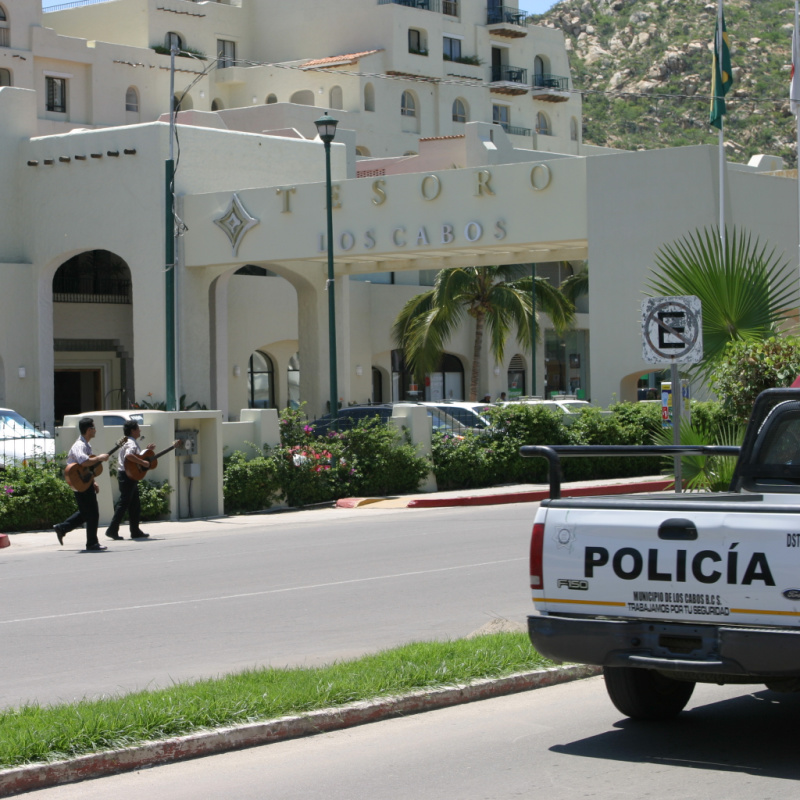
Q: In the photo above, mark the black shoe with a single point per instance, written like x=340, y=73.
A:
x=60, y=532
x=95, y=548
x=140, y=535
x=113, y=535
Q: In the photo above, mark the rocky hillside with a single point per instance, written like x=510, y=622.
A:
x=645, y=70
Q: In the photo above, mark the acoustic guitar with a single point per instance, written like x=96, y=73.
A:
x=81, y=477
x=136, y=471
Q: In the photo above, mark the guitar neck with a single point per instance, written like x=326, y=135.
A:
x=164, y=452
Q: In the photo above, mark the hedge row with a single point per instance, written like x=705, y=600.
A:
x=36, y=496
x=377, y=460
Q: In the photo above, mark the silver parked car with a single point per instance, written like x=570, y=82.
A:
x=21, y=441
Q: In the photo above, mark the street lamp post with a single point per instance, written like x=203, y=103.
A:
x=326, y=126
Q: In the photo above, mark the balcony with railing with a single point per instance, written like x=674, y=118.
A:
x=550, y=88
x=507, y=21
x=514, y=130
x=509, y=80
x=425, y=5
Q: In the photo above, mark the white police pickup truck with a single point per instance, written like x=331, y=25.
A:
x=664, y=591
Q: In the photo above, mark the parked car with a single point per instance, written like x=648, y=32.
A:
x=349, y=417
x=565, y=405
x=113, y=416
x=21, y=441
x=467, y=413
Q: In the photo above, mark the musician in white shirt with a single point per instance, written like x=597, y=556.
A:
x=88, y=511
x=128, y=487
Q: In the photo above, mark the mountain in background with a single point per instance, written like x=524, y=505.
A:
x=645, y=72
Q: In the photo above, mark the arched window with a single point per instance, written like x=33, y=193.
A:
x=216, y=104
x=573, y=129
x=132, y=99
x=96, y=276
x=293, y=381
x=173, y=37
x=305, y=97
x=538, y=70
x=408, y=106
x=336, y=101
x=369, y=97
x=271, y=98
x=4, y=31
x=362, y=151
x=542, y=124
x=5, y=78
x=260, y=381
x=459, y=110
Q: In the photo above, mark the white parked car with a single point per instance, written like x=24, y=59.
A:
x=21, y=441
x=569, y=406
x=467, y=413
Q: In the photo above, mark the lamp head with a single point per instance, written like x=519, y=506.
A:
x=326, y=127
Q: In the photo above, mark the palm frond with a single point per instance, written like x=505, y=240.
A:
x=744, y=294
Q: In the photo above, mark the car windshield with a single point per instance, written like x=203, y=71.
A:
x=14, y=426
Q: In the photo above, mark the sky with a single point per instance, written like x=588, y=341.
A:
x=532, y=6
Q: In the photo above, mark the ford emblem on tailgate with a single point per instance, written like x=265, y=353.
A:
x=792, y=594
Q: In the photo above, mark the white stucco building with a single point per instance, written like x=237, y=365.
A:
x=470, y=159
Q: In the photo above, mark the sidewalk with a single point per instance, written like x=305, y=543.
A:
x=518, y=493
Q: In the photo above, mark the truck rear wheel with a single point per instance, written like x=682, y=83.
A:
x=646, y=694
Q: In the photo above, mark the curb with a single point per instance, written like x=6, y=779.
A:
x=537, y=495
x=501, y=498
x=97, y=765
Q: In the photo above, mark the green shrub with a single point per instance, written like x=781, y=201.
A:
x=34, y=497
x=627, y=424
x=154, y=499
x=382, y=460
x=747, y=368
x=368, y=459
x=249, y=485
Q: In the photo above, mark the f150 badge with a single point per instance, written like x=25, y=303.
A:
x=573, y=583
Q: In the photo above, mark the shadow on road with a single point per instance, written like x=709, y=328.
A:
x=754, y=734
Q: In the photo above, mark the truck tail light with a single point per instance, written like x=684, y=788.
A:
x=537, y=545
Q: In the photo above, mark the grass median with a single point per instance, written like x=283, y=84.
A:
x=34, y=734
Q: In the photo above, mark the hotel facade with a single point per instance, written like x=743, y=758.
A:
x=458, y=145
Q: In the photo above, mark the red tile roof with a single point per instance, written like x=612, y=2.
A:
x=335, y=61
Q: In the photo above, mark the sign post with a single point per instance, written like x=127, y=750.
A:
x=672, y=333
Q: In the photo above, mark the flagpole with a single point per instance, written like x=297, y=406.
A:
x=793, y=100
x=721, y=145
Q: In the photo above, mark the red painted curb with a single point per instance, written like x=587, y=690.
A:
x=539, y=494
x=349, y=502
x=41, y=776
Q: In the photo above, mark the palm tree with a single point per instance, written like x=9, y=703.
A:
x=745, y=293
x=497, y=298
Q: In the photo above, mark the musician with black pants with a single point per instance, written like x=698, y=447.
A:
x=128, y=488
x=88, y=511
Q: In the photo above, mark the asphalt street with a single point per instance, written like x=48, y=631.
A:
x=562, y=742
x=201, y=598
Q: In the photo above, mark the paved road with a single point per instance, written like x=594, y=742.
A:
x=203, y=598
x=560, y=743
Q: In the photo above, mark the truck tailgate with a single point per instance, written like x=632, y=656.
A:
x=736, y=565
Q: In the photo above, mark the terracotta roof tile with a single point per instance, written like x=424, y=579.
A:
x=335, y=61
x=438, y=138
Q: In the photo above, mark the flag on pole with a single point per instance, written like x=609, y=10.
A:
x=794, y=88
x=721, y=79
